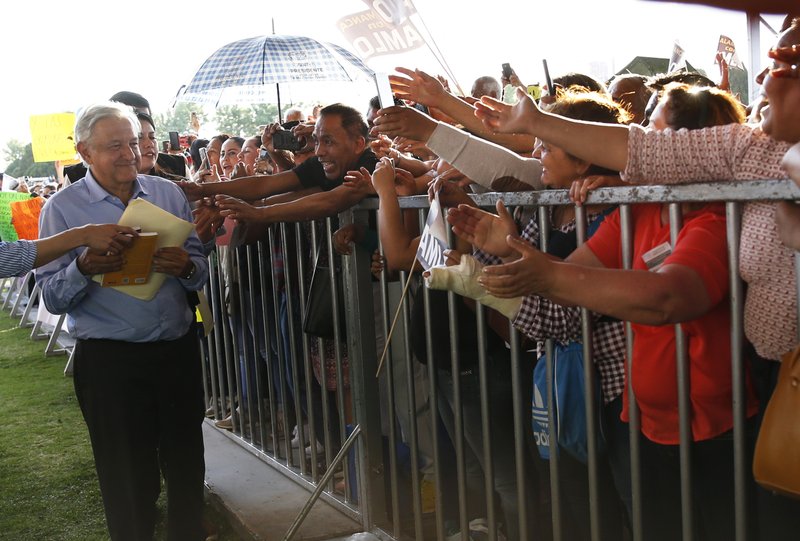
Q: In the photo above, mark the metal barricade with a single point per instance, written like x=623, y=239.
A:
x=412, y=474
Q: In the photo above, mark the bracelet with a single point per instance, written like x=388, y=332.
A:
x=191, y=272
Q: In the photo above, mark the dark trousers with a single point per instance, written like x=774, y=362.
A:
x=501, y=414
x=712, y=490
x=143, y=403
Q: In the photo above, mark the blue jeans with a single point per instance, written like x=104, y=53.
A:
x=501, y=418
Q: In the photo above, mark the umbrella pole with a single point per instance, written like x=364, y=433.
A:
x=280, y=114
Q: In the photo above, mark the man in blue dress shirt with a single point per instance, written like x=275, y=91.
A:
x=137, y=368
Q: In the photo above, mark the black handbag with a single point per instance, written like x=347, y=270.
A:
x=318, y=320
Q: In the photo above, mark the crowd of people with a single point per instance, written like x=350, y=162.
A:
x=137, y=369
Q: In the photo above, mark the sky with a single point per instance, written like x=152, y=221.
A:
x=61, y=55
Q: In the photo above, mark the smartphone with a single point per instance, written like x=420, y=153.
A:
x=174, y=140
x=385, y=95
x=263, y=154
x=285, y=140
x=548, y=81
x=507, y=71
x=203, y=158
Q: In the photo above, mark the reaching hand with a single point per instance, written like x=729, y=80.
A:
x=580, y=188
x=418, y=86
x=451, y=194
x=724, y=80
x=344, y=237
x=501, y=117
x=239, y=171
x=404, y=122
x=230, y=207
x=484, y=230
x=382, y=146
x=359, y=181
x=404, y=183
x=193, y=190
x=532, y=273
x=207, y=220
x=110, y=239
x=377, y=265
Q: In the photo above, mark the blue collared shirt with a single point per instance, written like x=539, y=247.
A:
x=102, y=312
x=16, y=258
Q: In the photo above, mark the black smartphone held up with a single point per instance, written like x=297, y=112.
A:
x=174, y=140
x=203, y=158
x=550, y=90
x=285, y=140
x=507, y=71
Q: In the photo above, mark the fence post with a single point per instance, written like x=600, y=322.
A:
x=362, y=349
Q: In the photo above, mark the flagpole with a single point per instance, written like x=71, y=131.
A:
x=437, y=53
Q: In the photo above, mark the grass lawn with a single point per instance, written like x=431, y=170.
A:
x=48, y=485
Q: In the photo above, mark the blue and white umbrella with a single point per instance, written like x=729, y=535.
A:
x=244, y=71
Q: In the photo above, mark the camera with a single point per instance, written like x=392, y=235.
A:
x=285, y=140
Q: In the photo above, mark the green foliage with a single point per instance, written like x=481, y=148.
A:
x=177, y=119
x=21, y=164
x=244, y=121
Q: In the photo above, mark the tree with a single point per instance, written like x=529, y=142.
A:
x=21, y=164
x=177, y=119
x=244, y=121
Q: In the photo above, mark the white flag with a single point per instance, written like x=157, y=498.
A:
x=676, y=61
x=433, y=241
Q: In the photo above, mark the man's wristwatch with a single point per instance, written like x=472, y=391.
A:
x=188, y=275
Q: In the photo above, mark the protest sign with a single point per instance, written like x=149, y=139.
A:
x=7, y=231
x=25, y=217
x=52, y=137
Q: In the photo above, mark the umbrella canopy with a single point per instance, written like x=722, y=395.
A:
x=240, y=72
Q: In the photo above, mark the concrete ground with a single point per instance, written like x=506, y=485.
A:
x=261, y=502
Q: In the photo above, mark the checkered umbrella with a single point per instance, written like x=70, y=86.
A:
x=243, y=71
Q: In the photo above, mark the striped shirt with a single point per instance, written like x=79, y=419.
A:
x=16, y=258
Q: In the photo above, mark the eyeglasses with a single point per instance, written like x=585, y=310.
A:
x=789, y=57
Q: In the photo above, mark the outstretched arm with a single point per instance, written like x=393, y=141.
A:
x=109, y=238
x=605, y=145
x=422, y=88
x=247, y=188
x=482, y=161
x=673, y=294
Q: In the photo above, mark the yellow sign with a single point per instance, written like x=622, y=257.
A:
x=52, y=137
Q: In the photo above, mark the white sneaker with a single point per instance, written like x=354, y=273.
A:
x=296, y=436
x=320, y=449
